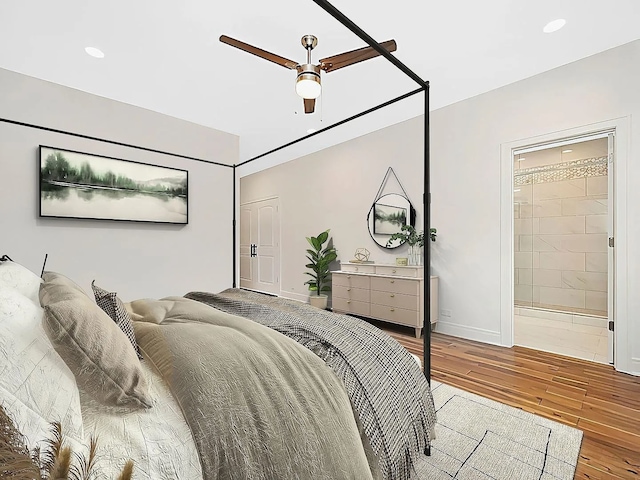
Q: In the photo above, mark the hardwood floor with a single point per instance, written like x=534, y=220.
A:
x=593, y=397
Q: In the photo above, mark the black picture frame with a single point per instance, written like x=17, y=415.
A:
x=81, y=185
x=384, y=217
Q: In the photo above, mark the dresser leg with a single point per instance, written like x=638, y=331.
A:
x=418, y=332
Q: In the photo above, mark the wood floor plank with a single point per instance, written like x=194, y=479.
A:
x=603, y=403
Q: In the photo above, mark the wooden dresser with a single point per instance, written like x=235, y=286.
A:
x=385, y=292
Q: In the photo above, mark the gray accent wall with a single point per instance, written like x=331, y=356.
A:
x=135, y=259
x=333, y=188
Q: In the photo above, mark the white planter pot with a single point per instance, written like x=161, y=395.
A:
x=318, y=301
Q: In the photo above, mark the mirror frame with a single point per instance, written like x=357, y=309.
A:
x=400, y=201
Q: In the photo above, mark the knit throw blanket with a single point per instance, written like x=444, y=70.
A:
x=387, y=389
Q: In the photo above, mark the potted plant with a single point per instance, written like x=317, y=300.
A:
x=414, y=239
x=320, y=257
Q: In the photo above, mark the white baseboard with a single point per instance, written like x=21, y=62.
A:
x=295, y=296
x=470, y=333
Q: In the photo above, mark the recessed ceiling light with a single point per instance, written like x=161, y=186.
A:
x=311, y=130
x=94, y=52
x=567, y=151
x=517, y=190
x=554, y=25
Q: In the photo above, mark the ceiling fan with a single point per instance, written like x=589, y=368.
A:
x=308, y=82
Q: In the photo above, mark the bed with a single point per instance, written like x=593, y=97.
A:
x=211, y=386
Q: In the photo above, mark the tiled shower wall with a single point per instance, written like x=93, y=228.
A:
x=560, y=226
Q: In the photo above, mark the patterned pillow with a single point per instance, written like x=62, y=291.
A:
x=113, y=306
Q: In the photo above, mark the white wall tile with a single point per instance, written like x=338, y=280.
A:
x=596, y=223
x=523, y=293
x=547, y=278
x=592, y=242
x=526, y=243
x=562, y=261
x=523, y=226
x=525, y=276
x=592, y=281
x=597, y=262
x=547, y=208
x=562, y=297
x=597, y=185
x=562, y=225
x=586, y=206
x=562, y=189
x=596, y=301
x=524, y=260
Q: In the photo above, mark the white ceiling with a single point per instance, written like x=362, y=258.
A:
x=165, y=55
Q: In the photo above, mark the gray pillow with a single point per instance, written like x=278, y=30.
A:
x=93, y=347
x=113, y=306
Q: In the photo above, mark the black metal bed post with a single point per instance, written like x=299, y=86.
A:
x=344, y=20
x=233, y=223
x=426, y=199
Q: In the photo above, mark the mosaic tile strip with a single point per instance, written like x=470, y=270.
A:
x=591, y=167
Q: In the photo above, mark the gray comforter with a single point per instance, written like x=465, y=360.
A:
x=259, y=405
x=389, y=392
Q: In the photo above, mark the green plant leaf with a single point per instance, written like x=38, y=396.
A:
x=326, y=288
x=316, y=243
x=323, y=237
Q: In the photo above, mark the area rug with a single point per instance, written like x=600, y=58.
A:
x=478, y=438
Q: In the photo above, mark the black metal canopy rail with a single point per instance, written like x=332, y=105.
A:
x=424, y=87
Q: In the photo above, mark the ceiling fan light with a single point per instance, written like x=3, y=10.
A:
x=308, y=85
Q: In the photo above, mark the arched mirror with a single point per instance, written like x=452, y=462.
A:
x=387, y=215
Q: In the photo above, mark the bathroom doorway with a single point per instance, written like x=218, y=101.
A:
x=563, y=247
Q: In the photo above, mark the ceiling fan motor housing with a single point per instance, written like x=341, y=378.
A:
x=308, y=74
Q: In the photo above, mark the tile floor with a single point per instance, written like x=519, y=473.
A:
x=565, y=338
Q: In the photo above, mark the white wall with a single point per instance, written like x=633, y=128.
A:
x=134, y=259
x=333, y=188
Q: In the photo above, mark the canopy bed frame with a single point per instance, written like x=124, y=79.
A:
x=426, y=200
x=423, y=86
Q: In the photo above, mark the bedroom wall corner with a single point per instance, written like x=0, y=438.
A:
x=135, y=259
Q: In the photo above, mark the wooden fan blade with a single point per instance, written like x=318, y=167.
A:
x=272, y=57
x=345, y=59
x=309, y=105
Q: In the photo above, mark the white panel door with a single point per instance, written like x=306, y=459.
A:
x=260, y=246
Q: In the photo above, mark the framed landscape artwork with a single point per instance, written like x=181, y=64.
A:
x=388, y=219
x=81, y=185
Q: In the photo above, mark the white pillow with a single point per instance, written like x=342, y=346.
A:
x=14, y=275
x=36, y=386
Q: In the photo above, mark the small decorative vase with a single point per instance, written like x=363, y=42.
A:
x=415, y=255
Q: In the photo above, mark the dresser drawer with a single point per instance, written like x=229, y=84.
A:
x=350, y=293
x=398, y=300
x=414, y=272
x=395, y=285
x=350, y=306
x=348, y=280
x=400, y=316
x=357, y=267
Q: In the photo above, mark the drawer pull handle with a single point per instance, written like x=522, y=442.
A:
x=392, y=295
x=393, y=309
x=348, y=301
x=393, y=281
x=348, y=289
x=348, y=276
x=393, y=271
x=356, y=269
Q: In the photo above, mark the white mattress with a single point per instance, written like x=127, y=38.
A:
x=158, y=440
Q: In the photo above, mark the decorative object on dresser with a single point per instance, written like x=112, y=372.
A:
x=320, y=259
x=361, y=256
x=415, y=239
x=391, y=293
